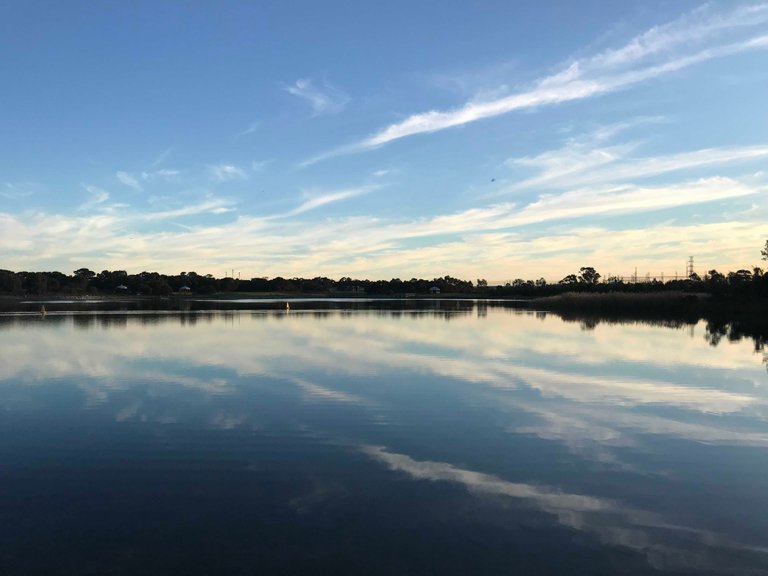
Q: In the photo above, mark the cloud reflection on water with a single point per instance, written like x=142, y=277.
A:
x=505, y=352
x=597, y=394
x=666, y=545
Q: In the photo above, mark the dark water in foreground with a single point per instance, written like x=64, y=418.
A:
x=456, y=438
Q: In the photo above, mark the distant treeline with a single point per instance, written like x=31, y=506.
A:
x=112, y=282
x=747, y=283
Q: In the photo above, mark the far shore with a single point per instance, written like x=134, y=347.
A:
x=661, y=303
x=727, y=317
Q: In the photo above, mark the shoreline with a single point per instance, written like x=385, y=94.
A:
x=728, y=317
x=675, y=304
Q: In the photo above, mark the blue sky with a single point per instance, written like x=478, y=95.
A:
x=494, y=140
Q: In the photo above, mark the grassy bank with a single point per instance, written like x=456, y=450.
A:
x=651, y=303
x=656, y=304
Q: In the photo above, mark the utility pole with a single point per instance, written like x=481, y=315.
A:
x=689, y=267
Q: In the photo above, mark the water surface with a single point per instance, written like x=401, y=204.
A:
x=438, y=438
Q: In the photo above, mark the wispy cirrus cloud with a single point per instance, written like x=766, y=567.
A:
x=463, y=244
x=325, y=99
x=162, y=157
x=164, y=174
x=207, y=206
x=574, y=204
x=260, y=165
x=630, y=199
x=316, y=200
x=692, y=39
x=96, y=196
x=252, y=127
x=581, y=164
x=530, y=233
x=129, y=180
x=14, y=191
x=136, y=181
x=226, y=173
x=697, y=26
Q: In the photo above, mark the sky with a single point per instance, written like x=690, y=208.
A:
x=487, y=139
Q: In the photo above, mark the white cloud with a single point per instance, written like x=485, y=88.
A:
x=562, y=165
x=574, y=204
x=652, y=166
x=628, y=199
x=96, y=197
x=252, y=127
x=434, y=120
x=323, y=100
x=671, y=46
x=129, y=180
x=209, y=206
x=164, y=174
x=317, y=200
x=580, y=163
x=12, y=191
x=226, y=173
x=162, y=157
x=260, y=165
x=497, y=241
x=690, y=28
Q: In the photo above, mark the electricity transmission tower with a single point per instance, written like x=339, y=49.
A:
x=689, y=267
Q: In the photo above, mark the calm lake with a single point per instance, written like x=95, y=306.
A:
x=440, y=437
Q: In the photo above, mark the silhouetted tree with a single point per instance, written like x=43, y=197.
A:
x=84, y=273
x=715, y=276
x=39, y=283
x=83, y=276
x=739, y=277
x=588, y=275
